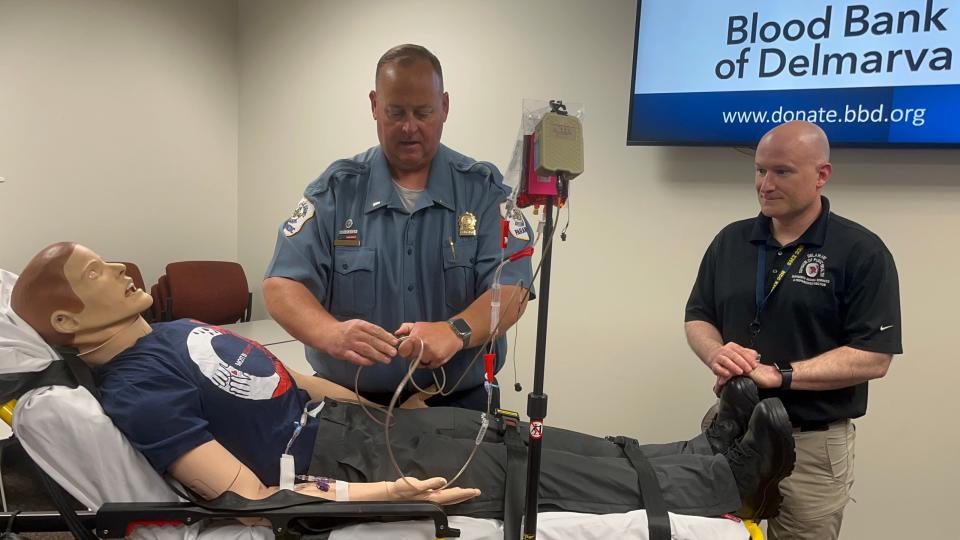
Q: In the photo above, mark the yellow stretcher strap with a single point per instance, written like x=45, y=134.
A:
x=753, y=529
x=6, y=412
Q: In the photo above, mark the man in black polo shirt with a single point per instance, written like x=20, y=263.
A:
x=807, y=304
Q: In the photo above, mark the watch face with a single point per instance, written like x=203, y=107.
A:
x=461, y=327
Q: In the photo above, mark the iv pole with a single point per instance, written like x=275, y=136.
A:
x=537, y=400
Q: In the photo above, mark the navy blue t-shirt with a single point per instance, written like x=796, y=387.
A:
x=187, y=383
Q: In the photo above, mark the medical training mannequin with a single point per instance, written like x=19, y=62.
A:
x=188, y=395
x=78, y=300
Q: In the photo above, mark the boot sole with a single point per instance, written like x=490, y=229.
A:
x=770, y=502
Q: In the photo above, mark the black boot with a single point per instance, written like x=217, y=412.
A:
x=761, y=459
x=737, y=400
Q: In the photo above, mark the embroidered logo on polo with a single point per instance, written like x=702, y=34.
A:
x=301, y=214
x=813, y=271
x=236, y=365
x=518, y=225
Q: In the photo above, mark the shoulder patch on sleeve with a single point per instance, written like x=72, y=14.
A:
x=518, y=225
x=301, y=214
x=336, y=172
x=483, y=172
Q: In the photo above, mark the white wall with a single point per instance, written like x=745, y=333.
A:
x=113, y=112
x=118, y=129
x=618, y=362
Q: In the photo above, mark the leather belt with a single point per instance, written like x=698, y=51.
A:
x=814, y=426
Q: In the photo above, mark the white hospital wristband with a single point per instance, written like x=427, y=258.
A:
x=343, y=491
x=287, y=469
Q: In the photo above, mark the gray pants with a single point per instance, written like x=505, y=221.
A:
x=579, y=473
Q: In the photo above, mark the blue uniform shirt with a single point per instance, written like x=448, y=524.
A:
x=352, y=243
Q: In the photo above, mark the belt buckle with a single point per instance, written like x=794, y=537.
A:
x=508, y=417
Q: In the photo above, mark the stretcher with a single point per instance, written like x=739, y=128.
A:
x=66, y=433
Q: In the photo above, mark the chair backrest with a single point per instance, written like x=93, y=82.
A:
x=161, y=296
x=214, y=292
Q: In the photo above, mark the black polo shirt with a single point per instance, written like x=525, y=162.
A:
x=841, y=290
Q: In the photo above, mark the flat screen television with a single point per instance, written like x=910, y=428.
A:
x=869, y=72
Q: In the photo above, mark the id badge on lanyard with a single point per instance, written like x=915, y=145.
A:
x=762, y=298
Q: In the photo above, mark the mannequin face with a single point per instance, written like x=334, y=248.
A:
x=108, y=294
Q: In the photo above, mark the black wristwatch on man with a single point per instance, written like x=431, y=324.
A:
x=786, y=374
x=462, y=330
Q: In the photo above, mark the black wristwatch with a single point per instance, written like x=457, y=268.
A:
x=786, y=374
x=462, y=329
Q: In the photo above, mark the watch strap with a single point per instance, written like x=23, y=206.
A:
x=786, y=375
x=462, y=329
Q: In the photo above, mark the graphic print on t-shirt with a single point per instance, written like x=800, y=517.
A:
x=239, y=367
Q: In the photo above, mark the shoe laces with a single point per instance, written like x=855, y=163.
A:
x=740, y=454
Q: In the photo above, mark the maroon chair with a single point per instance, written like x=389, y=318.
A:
x=161, y=296
x=214, y=292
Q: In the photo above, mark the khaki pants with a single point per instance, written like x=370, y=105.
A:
x=817, y=491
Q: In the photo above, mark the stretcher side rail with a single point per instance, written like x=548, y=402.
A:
x=43, y=521
x=114, y=519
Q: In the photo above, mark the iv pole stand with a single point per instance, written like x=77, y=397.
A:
x=537, y=400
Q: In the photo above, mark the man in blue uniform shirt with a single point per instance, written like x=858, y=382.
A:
x=401, y=240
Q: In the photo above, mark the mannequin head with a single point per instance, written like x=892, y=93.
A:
x=71, y=296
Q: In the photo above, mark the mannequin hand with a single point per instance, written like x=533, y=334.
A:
x=731, y=360
x=428, y=490
x=360, y=343
x=766, y=376
x=412, y=489
x=440, y=343
x=419, y=400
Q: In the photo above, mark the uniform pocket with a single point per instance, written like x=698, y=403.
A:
x=354, y=284
x=840, y=449
x=459, y=276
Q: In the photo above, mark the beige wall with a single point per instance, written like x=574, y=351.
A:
x=138, y=102
x=118, y=129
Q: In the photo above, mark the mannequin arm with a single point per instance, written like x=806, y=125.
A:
x=320, y=388
x=405, y=489
x=210, y=469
